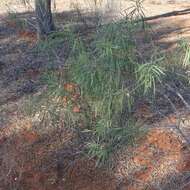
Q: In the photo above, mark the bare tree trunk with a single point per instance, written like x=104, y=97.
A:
x=44, y=17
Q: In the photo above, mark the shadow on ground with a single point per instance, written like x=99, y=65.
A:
x=22, y=65
x=56, y=161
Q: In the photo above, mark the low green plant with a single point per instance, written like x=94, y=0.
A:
x=185, y=47
x=109, y=79
x=177, y=64
x=149, y=73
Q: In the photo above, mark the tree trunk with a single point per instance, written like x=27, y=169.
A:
x=44, y=18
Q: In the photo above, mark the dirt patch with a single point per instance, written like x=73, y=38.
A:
x=52, y=160
x=33, y=161
x=83, y=175
x=159, y=162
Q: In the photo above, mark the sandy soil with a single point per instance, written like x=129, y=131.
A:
x=159, y=161
x=167, y=31
x=151, y=7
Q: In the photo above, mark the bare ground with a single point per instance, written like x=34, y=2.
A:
x=159, y=161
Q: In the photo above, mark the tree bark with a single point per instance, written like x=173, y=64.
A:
x=44, y=18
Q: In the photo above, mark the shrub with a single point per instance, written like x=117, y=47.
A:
x=107, y=80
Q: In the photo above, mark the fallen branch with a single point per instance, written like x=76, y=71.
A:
x=169, y=14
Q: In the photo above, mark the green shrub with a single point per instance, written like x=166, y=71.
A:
x=176, y=64
x=110, y=79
